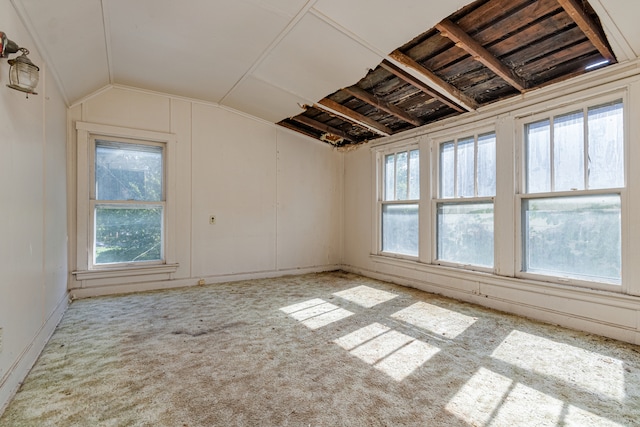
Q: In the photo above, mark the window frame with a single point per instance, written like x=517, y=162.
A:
x=462, y=134
x=380, y=195
x=521, y=188
x=94, y=202
x=87, y=134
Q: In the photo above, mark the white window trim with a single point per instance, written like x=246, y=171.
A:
x=521, y=194
x=379, y=171
x=86, y=132
x=474, y=131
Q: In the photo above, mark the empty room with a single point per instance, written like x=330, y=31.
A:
x=319, y=213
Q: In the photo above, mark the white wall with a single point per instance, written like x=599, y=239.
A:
x=276, y=195
x=607, y=313
x=33, y=214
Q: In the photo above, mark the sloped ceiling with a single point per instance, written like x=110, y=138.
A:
x=262, y=57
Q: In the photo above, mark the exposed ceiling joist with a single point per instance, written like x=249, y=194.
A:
x=463, y=100
x=465, y=41
x=321, y=127
x=288, y=125
x=354, y=117
x=588, y=27
x=365, y=96
x=414, y=81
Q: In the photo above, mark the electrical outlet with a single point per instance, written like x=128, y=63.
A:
x=212, y=219
x=201, y=282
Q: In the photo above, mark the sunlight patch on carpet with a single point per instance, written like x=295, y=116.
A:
x=316, y=313
x=575, y=366
x=435, y=319
x=479, y=397
x=362, y=335
x=365, y=296
x=389, y=351
x=302, y=305
x=526, y=403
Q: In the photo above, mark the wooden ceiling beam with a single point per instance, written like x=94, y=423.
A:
x=414, y=81
x=387, y=107
x=588, y=27
x=463, y=100
x=354, y=117
x=322, y=127
x=465, y=41
x=291, y=126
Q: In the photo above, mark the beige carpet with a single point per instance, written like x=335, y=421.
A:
x=328, y=349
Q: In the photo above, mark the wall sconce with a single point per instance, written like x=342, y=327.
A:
x=23, y=74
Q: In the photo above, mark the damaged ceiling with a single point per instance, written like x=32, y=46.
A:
x=487, y=51
x=362, y=69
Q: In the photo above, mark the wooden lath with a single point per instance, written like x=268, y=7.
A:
x=370, y=99
x=322, y=127
x=588, y=27
x=408, y=78
x=354, y=117
x=291, y=126
x=465, y=41
x=463, y=100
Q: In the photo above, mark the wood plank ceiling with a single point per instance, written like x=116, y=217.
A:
x=488, y=51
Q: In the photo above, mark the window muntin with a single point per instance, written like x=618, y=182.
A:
x=571, y=209
x=464, y=209
x=128, y=202
x=399, y=205
x=556, y=149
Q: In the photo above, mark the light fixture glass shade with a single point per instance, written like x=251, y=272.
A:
x=23, y=75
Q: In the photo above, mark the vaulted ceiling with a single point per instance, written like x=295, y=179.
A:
x=341, y=71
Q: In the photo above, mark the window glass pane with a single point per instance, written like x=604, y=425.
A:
x=127, y=234
x=400, y=229
x=447, y=170
x=414, y=174
x=538, y=157
x=402, y=180
x=389, y=177
x=487, y=165
x=576, y=237
x=465, y=233
x=568, y=152
x=131, y=172
x=606, y=146
x=466, y=173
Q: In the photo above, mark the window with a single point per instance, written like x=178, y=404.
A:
x=571, y=209
x=125, y=208
x=127, y=202
x=464, y=207
x=399, y=202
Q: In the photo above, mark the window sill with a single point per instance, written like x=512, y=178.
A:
x=509, y=284
x=125, y=272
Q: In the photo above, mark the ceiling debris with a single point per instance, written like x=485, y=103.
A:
x=487, y=51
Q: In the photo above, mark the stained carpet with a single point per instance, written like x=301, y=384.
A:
x=331, y=349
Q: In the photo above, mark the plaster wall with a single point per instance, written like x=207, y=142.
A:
x=33, y=214
x=276, y=195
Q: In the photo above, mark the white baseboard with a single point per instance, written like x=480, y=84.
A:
x=16, y=374
x=95, y=291
x=616, y=317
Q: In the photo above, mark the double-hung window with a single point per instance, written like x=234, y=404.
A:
x=399, y=200
x=466, y=180
x=573, y=187
x=127, y=202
